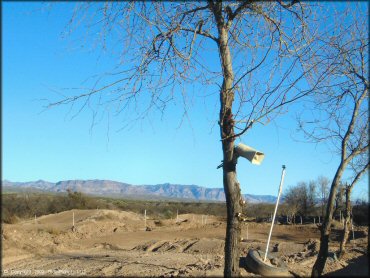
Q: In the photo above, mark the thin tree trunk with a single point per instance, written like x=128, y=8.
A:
x=233, y=229
x=319, y=265
x=231, y=185
x=347, y=219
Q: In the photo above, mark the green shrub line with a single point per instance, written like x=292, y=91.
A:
x=16, y=206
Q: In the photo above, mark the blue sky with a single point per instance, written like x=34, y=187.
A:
x=49, y=145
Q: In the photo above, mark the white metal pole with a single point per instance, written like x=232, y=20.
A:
x=319, y=220
x=314, y=220
x=276, y=206
x=73, y=219
x=35, y=219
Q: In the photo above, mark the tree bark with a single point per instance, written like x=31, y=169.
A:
x=231, y=185
x=233, y=229
x=347, y=219
x=319, y=265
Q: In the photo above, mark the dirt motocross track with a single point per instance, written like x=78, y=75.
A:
x=115, y=243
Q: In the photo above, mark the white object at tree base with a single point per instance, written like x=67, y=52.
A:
x=314, y=220
x=254, y=156
x=319, y=220
x=301, y=220
x=276, y=206
x=35, y=219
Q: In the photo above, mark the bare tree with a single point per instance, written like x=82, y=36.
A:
x=166, y=45
x=312, y=193
x=300, y=199
x=339, y=200
x=341, y=107
x=323, y=183
x=291, y=199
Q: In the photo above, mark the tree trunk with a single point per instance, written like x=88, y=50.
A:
x=231, y=185
x=319, y=265
x=347, y=219
x=233, y=229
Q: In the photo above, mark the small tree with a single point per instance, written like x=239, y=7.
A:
x=323, y=185
x=339, y=200
x=312, y=193
x=341, y=106
x=292, y=200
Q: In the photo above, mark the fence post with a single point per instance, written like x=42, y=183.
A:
x=353, y=232
x=145, y=218
x=73, y=222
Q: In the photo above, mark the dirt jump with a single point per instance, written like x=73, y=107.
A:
x=117, y=243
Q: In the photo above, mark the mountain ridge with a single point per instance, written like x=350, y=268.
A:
x=121, y=189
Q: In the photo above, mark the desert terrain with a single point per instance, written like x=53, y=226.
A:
x=116, y=243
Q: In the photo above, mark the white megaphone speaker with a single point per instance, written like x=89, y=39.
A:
x=254, y=156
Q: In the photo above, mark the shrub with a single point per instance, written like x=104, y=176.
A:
x=53, y=231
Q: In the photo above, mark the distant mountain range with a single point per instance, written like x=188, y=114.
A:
x=119, y=189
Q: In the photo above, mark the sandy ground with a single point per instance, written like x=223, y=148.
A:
x=115, y=243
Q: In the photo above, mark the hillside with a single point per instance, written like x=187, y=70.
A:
x=119, y=189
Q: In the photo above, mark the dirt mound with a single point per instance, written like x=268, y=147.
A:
x=166, y=246
x=201, y=246
x=207, y=245
x=65, y=217
x=106, y=246
x=108, y=215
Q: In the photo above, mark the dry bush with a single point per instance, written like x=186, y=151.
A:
x=11, y=219
x=52, y=231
